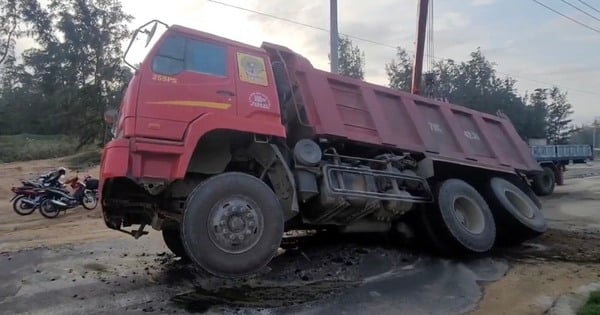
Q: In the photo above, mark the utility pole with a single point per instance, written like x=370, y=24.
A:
x=421, y=29
x=334, y=36
x=594, y=135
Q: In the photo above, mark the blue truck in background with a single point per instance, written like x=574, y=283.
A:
x=553, y=159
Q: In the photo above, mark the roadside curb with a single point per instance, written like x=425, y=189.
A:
x=570, y=303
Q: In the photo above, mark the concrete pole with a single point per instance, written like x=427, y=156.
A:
x=334, y=36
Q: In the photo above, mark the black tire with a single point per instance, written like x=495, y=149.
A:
x=460, y=222
x=19, y=209
x=518, y=217
x=559, y=176
x=48, y=209
x=526, y=189
x=172, y=238
x=230, y=201
x=543, y=184
x=91, y=196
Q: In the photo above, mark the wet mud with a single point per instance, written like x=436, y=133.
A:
x=330, y=278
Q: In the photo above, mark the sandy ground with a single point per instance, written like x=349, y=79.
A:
x=523, y=280
x=21, y=232
x=561, y=260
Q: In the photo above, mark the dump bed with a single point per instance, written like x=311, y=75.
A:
x=341, y=107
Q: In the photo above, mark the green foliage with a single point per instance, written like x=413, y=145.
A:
x=351, y=59
x=65, y=84
x=475, y=84
x=25, y=147
x=557, y=121
x=84, y=159
x=592, y=306
x=400, y=71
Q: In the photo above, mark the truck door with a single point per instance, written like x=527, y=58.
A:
x=256, y=91
x=183, y=79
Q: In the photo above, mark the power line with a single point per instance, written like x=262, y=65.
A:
x=567, y=17
x=580, y=10
x=299, y=23
x=383, y=44
x=589, y=6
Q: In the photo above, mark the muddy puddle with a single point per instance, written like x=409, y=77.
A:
x=341, y=278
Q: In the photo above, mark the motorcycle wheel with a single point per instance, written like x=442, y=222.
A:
x=22, y=208
x=48, y=209
x=89, y=200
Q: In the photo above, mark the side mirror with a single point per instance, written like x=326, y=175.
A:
x=151, y=34
x=110, y=116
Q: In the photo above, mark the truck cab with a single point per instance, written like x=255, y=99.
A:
x=192, y=83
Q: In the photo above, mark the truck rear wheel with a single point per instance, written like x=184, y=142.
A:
x=560, y=176
x=232, y=225
x=517, y=216
x=544, y=183
x=461, y=221
x=172, y=238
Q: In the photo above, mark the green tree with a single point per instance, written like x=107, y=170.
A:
x=399, y=71
x=473, y=84
x=351, y=60
x=65, y=85
x=9, y=20
x=558, y=129
x=536, y=118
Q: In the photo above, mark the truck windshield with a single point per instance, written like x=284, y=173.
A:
x=144, y=37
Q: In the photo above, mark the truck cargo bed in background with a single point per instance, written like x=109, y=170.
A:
x=566, y=152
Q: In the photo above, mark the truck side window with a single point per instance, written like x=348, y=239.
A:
x=178, y=54
x=170, y=57
x=206, y=58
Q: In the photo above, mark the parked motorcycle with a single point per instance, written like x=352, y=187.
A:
x=56, y=200
x=26, y=199
x=29, y=195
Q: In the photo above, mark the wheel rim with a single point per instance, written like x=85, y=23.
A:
x=89, y=200
x=23, y=206
x=522, y=206
x=235, y=224
x=469, y=214
x=49, y=209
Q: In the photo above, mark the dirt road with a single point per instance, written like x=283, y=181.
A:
x=74, y=265
x=17, y=232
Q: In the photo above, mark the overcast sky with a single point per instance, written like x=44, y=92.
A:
x=533, y=45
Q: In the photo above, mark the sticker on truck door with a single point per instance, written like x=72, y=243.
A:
x=259, y=100
x=252, y=69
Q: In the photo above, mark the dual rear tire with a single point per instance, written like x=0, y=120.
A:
x=460, y=221
x=465, y=221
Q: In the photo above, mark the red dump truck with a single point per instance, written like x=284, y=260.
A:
x=225, y=147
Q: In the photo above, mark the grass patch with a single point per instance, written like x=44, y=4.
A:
x=25, y=147
x=84, y=159
x=592, y=306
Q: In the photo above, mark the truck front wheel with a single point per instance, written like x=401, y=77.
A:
x=232, y=225
x=461, y=221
